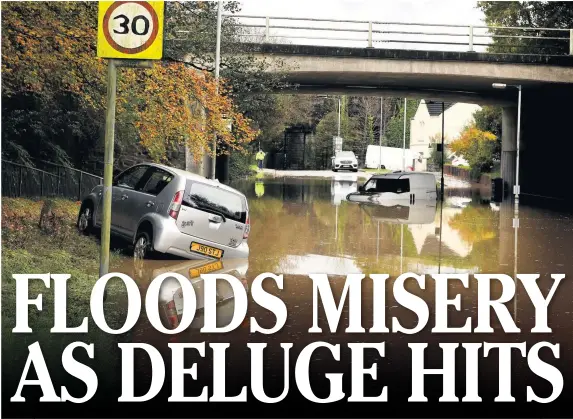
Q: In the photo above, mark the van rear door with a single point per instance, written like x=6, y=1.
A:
x=213, y=213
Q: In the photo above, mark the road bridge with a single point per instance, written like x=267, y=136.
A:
x=437, y=62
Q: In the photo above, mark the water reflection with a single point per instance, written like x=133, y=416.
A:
x=259, y=185
x=341, y=187
x=301, y=227
x=171, y=294
x=297, y=229
x=301, y=224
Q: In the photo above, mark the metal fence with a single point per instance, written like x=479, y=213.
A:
x=405, y=35
x=23, y=181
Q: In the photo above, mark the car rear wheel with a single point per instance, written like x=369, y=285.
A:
x=142, y=250
x=143, y=246
x=85, y=219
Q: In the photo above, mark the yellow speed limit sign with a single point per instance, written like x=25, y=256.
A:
x=130, y=30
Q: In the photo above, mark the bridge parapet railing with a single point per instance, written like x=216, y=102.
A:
x=404, y=35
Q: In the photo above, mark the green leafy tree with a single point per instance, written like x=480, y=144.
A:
x=395, y=129
x=533, y=14
x=488, y=119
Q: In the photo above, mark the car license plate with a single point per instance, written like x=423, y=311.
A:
x=206, y=250
x=205, y=269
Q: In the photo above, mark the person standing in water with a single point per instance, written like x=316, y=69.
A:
x=260, y=157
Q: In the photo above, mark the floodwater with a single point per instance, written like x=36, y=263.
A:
x=306, y=226
x=302, y=226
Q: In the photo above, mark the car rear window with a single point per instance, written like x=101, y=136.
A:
x=216, y=200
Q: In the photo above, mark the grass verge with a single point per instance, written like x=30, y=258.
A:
x=40, y=237
x=377, y=171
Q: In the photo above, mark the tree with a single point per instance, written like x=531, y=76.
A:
x=191, y=36
x=52, y=85
x=325, y=131
x=488, y=118
x=166, y=118
x=395, y=130
x=533, y=14
x=477, y=147
x=54, y=91
x=367, y=109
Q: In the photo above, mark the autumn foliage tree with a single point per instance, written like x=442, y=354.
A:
x=477, y=147
x=54, y=90
x=182, y=106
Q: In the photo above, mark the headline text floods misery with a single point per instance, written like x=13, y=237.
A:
x=321, y=291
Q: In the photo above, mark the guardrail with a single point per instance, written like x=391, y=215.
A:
x=19, y=180
x=277, y=29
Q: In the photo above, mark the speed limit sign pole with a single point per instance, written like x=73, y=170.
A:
x=130, y=34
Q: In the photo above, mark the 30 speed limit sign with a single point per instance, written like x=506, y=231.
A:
x=130, y=29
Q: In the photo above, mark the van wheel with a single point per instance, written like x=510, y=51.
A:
x=334, y=170
x=85, y=221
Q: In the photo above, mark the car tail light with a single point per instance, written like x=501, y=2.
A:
x=247, y=228
x=176, y=205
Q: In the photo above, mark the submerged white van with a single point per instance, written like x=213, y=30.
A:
x=423, y=212
x=399, y=187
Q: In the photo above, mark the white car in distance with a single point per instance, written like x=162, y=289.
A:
x=345, y=160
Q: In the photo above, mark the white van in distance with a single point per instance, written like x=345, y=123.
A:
x=399, y=187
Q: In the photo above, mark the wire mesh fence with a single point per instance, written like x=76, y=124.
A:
x=23, y=181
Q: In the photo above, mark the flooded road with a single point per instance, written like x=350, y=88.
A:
x=302, y=226
x=305, y=226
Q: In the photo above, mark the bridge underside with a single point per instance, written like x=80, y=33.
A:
x=460, y=76
x=546, y=144
x=300, y=87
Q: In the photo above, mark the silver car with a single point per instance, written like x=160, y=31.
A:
x=162, y=209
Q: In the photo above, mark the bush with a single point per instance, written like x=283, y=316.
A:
x=240, y=165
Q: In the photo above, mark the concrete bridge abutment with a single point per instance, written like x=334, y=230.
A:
x=508, y=148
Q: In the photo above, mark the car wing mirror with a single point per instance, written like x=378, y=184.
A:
x=361, y=188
